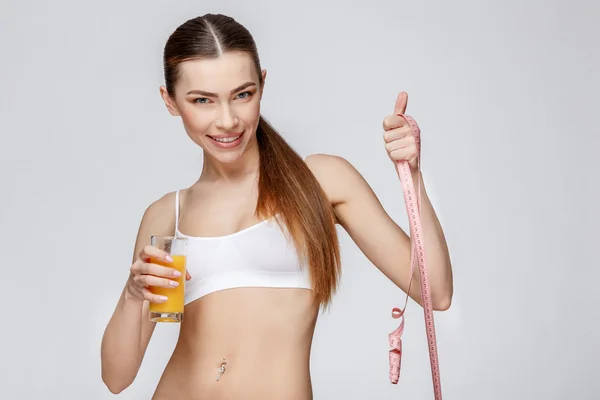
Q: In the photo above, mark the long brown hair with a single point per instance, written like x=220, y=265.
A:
x=286, y=185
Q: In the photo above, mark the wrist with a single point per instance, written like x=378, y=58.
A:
x=130, y=296
x=416, y=174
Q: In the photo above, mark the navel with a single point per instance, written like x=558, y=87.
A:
x=222, y=369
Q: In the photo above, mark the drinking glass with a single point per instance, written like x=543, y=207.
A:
x=172, y=309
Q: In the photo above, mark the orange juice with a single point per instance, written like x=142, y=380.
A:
x=172, y=309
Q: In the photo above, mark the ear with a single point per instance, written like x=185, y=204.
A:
x=169, y=102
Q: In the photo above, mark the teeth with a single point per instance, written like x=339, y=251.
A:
x=227, y=140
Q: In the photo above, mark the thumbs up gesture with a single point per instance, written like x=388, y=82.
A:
x=398, y=135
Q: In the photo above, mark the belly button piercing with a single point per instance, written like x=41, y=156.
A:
x=222, y=369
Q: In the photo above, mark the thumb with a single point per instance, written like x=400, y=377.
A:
x=401, y=102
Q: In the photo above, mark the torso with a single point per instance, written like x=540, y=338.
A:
x=266, y=336
x=264, y=333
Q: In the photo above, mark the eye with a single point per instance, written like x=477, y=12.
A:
x=201, y=100
x=245, y=95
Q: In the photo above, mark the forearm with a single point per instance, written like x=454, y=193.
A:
x=121, y=344
x=439, y=268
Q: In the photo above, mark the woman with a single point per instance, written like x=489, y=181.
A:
x=254, y=197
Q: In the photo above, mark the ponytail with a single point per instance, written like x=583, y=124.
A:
x=287, y=187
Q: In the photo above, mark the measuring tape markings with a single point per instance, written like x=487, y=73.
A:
x=413, y=207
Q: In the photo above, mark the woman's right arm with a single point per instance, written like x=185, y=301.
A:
x=129, y=330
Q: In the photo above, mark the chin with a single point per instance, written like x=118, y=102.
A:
x=226, y=157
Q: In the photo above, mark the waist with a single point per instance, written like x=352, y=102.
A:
x=251, y=368
x=243, y=349
x=265, y=334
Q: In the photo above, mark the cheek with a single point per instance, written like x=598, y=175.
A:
x=250, y=113
x=193, y=120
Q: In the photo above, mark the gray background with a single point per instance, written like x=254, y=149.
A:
x=506, y=97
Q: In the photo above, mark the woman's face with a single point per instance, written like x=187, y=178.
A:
x=219, y=103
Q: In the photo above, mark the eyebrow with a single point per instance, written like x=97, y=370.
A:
x=209, y=94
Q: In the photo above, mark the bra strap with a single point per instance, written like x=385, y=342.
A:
x=176, y=212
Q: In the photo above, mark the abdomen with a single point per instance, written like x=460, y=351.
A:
x=265, y=334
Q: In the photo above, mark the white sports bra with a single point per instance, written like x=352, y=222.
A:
x=257, y=256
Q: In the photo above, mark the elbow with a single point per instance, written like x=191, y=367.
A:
x=115, y=389
x=443, y=301
x=442, y=305
x=438, y=303
x=117, y=374
x=115, y=385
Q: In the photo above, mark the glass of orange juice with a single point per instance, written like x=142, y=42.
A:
x=172, y=309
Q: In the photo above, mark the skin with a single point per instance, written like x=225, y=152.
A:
x=267, y=352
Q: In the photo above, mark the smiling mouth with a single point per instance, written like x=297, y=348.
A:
x=227, y=141
x=230, y=139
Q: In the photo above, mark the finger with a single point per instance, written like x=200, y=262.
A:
x=153, y=298
x=396, y=134
x=187, y=276
x=404, y=153
x=158, y=270
x=135, y=267
x=398, y=144
x=151, y=280
x=401, y=102
x=393, y=122
x=149, y=252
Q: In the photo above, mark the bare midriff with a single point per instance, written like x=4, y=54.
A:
x=263, y=338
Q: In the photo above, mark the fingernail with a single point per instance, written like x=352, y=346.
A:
x=163, y=298
x=169, y=258
x=176, y=274
x=174, y=283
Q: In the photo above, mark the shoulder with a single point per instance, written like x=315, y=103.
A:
x=158, y=220
x=335, y=174
x=159, y=216
x=328, y=164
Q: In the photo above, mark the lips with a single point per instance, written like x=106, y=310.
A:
x=227, y=141
x=226, y=136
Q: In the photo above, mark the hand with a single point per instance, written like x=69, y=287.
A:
x=145, y=274
x=398, y=136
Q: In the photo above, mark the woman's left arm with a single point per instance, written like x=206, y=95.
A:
x=382, y=241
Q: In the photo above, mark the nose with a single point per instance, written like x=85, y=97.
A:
x=226, y=119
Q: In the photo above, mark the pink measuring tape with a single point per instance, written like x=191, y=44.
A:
x=413, y=207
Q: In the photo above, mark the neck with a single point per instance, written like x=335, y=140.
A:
x=244, y=167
